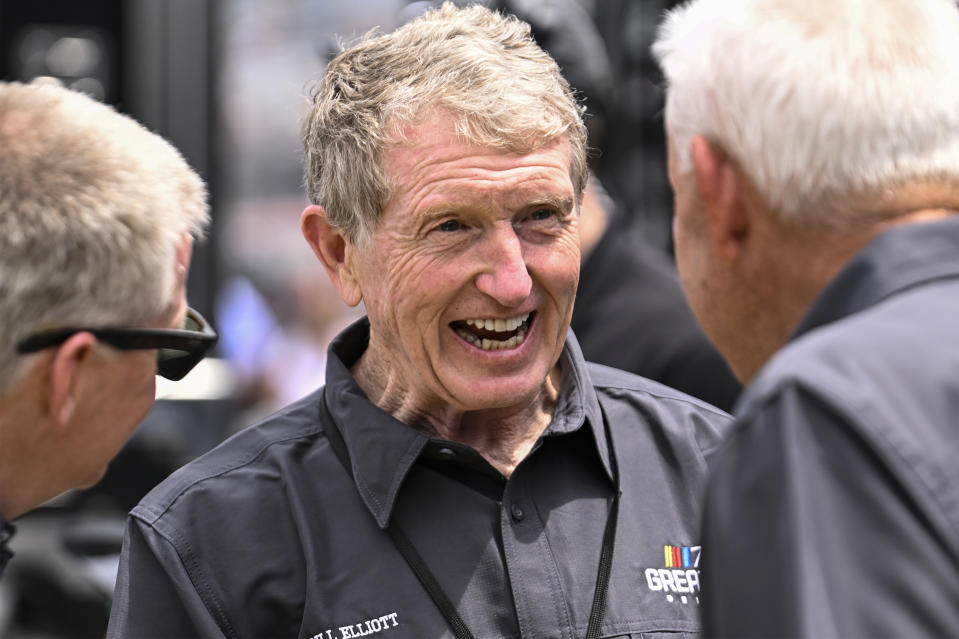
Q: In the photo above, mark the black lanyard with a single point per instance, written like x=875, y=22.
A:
x=432, y=586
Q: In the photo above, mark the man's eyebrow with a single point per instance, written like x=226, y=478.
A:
x=438, y=211
x=563, y=203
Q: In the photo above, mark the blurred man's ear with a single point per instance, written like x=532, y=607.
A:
x=720, y=186
x=66, y=366
x=334, y=250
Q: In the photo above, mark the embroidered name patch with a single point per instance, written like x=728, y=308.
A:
x=361, y=629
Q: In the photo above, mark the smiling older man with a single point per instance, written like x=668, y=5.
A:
x=464, y=472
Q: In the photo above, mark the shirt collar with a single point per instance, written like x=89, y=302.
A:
x=382, y=449
x=578, y=404
x=897, y=259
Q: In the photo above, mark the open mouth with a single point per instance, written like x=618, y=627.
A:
x=494, y=334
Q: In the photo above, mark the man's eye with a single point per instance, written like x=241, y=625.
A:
x=541, y=214
x=449, y=226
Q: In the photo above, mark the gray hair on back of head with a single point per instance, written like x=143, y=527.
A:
x=822, y=103
x=92, y=210
x=479, y=67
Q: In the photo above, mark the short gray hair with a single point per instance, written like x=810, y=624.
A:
x=92, y=210
x=482, y=68
x=819, y=102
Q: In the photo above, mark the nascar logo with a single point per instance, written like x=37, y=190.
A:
x=680, y=575
x=682, y=556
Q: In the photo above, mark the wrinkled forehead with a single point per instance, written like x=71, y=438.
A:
x=431, y=124
x=439, y=138
x=436, y=159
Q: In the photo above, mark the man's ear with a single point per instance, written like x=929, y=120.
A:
x=334, y=250
x=68, y=363
x=722, y=191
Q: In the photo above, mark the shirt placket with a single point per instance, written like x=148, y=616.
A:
x=541, y=609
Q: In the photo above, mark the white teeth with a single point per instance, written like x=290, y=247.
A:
x=499, y=325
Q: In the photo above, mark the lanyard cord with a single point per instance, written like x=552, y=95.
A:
x=429, y=582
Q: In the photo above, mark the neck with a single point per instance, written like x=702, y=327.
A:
x=16, y=475
x=502, y=435
x=806, y=260
x=28, y=469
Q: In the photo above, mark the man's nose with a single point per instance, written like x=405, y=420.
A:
x=504, y=276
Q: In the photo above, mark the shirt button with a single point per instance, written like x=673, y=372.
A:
x=447, y=453
x=517, y=512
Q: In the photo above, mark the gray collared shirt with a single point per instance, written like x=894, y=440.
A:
x=268, y=536
x=834, y=508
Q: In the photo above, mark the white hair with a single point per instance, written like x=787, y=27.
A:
x=92, y=209
x=817, y=100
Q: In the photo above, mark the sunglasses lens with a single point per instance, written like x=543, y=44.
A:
x=191, y=323
x=174, y=364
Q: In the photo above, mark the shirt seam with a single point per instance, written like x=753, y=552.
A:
x=559, y=602
x=889, y=450
x=651, y=625
x=150, y=515
x=688, y=401
x=893, y=450
x=182, y=546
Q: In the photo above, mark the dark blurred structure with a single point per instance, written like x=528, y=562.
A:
x=633, y=165
x=77, y=43
x=150, y=59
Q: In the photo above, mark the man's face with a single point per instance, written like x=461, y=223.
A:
x=471, y=273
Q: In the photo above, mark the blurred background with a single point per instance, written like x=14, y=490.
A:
x=227, y=82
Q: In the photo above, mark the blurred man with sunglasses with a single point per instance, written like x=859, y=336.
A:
x=97, y=221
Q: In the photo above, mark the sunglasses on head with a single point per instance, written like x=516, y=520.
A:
x=178, y=350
